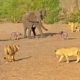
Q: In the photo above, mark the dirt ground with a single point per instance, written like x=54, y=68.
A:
x=36, y=59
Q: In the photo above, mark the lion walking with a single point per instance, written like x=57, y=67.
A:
x=10, y=51
x=67, y=52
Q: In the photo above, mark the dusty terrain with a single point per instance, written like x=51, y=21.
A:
x=36, y=59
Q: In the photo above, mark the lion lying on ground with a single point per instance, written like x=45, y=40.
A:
x=10, y=51
x=66, y=52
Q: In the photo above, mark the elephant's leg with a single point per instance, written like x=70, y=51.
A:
x=33, y=30
x=25, y=32
x=29, y=33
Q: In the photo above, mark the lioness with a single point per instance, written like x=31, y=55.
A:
x=10, y=51
x=66, y=52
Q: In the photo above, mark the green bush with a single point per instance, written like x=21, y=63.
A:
x=13, y=10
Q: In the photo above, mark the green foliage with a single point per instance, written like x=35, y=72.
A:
x=53, y=11
x=13, y=10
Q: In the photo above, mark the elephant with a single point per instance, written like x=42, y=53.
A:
x=33, y=20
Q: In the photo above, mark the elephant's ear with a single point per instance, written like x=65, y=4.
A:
x=42, y=13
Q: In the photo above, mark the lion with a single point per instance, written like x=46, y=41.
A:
x=10, y=51
x=67, y=52
x=77, y=29
x=74, y=27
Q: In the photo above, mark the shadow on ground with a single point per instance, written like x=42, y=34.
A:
x=45, y=35
x=23, y=58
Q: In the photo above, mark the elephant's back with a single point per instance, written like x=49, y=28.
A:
x=31, y=17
